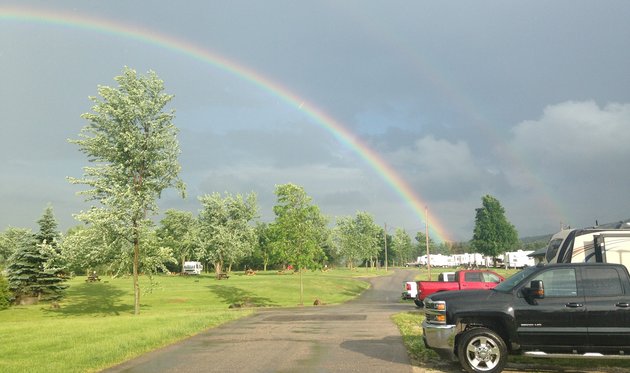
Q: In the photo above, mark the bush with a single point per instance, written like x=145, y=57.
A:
x=5, y=294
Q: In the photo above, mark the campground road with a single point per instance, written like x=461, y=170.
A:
x=357, y=336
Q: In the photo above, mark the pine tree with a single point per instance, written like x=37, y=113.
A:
x=48, y=228
x=33, y=272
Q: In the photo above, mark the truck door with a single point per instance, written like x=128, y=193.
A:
x=557, y=321
x=490, y=280
x=472, y=280
x=608, y=307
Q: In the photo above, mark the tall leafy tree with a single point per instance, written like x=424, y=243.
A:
x=493, y=234
x=177, y=231
x=345, y=241
x=132, y=146
x=264, y=245
x=358, y=237
x=225, y=234
x=300, y=230
x=402, y=246
x=421, y=240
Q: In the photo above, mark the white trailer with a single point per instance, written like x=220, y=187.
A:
x=518, y=259
x=193, y=268
x=439, y=260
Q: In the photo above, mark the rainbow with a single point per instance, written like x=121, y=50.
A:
x=184, y=47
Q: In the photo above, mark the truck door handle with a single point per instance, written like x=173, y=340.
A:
x=574, y=305
x=623, y=304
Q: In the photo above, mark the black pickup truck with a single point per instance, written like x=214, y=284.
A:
x=558, y=310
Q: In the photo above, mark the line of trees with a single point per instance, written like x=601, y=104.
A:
x=132, y=149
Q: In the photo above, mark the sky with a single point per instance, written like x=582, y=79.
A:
x=394, y=108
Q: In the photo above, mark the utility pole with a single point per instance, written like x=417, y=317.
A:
x=385, y=230
x=426, y=236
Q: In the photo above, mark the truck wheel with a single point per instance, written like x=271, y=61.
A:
x=481, y=350
x=418, y=303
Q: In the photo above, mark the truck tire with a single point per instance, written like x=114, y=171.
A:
x=418, y=303
x=481, y=350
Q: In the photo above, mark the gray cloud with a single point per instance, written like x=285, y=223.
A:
x=527, y=102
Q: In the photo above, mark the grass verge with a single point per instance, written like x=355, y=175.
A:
x=95, y=328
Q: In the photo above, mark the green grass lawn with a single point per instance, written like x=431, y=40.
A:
x=95, y=327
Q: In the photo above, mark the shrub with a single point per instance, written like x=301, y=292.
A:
x=5, y=294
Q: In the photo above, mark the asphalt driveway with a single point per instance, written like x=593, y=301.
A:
x=354, y=337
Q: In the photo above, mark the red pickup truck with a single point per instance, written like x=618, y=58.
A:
x=464, y=280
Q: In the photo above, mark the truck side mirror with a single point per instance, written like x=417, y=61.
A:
x=536, y=290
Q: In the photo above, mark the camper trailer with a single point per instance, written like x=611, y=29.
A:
x=193, y=268
x=518, y=259
x=608, y=243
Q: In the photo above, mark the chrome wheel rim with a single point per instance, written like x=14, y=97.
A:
x=483, y=354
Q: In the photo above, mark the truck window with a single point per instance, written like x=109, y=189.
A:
x=473, y=277
x=559, y=282
x=601, y=282
x=490, y=277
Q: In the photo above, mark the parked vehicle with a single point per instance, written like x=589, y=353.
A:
x=417, y=263
x=464, y=280
x=558, y=310
x=518, y=259
x=193, y=268
x=608, y=243
x=411, y=287
x=436, y=260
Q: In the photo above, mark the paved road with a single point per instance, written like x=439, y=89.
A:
x=354, y=337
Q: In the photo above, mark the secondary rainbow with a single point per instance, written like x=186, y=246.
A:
x=340, y=132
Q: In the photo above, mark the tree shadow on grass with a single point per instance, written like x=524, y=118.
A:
x=98, y=299
x=239, y=297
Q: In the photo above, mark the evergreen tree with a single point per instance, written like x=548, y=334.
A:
x=33, y=271
x=10, y=240
x=493, y=234
x=48, y=228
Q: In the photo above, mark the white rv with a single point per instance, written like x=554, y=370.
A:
x=608, y=243
x=193, y=268
x=518, y=259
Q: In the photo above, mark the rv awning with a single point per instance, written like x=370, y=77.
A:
x=540, y=252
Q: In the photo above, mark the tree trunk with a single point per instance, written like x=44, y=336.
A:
x=217, y=268
x=301, y=289
x=136, y=255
